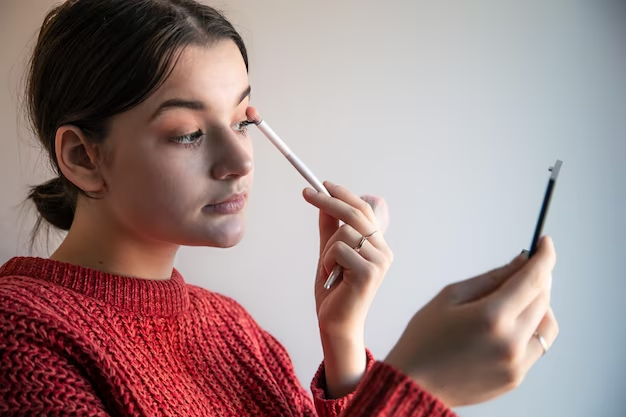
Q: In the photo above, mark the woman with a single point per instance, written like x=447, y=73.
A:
x=141, y=106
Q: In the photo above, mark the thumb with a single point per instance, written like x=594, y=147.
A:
x=473, y=289
x=328, y=226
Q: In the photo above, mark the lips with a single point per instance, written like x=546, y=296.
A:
x=231, y=205
x=233, y=197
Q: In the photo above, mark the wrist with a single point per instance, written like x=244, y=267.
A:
x=345, y=362
x=406, y=364
x=342, y=335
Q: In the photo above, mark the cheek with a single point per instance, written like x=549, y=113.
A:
x=159, y=191
x=148, y=186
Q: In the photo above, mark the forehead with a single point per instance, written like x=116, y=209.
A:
x=215, y=75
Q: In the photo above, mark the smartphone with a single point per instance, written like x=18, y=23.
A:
x=544, y=207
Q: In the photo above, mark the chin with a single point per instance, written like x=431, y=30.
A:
x=228, y=241
x=215, y=240
x=226, y=234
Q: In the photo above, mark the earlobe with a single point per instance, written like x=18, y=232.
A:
x=77, y=159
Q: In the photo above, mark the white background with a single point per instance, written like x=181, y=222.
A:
x=453, y=111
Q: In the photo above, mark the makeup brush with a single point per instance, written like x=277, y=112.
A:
x=378, y=204
x=253, y=116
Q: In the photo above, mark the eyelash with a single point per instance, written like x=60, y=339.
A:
x=190, y=140
x=193, y=140
x=243, y=127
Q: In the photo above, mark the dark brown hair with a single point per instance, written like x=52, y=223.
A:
x=98, y=58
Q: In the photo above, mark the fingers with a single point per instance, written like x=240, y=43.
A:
x=529, y=319
x=381, y=211
x=348, y=208
x=328, y=226
x=340, y=253
x=352, y=238
x=523, y=287
x=478, y=287
x=345, y=195
x=548, y=329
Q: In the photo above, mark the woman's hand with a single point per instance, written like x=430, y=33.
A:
x=476, y=339
x=342, y=309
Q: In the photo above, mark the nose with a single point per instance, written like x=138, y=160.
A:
x=231, y=155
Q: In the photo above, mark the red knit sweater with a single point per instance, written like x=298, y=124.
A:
x=79, y=341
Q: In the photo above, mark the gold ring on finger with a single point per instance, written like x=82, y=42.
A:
x=363, y=239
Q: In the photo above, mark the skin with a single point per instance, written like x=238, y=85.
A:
x=154, y=192
x=480, y=339
x=157, y=194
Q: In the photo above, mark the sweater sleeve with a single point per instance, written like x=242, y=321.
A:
x=383, y=391
x=34, y=380
x=333, y=407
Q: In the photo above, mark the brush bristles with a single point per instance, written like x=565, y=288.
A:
x=253, y=115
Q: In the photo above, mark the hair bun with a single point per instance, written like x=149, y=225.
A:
x=54, y=203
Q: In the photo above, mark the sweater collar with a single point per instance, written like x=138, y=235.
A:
x=143, y=296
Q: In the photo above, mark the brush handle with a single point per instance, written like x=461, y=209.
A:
x=315, y=182
x=274, y=138
x=292, y=157
x=307, y=173
x=335, y=273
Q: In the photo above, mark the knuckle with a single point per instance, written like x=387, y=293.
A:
x=384, y=267
x=370, y=269
x=449, y=291
x=366, y=208
x=509, y=352
x=344, y=230
x=536, y=279
x=336, y=247
x=325, y=200
x=389, y=256
x=354, y=214
x=513, y=377
x=329, y=253
x=369, y=211
x=334, y=253
x=453, y=291
x=492, y=322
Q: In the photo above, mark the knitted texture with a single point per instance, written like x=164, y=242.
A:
x=78, y=341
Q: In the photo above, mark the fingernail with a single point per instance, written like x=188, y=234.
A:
x=329, y=183
x=524, y=252
x=310, y=191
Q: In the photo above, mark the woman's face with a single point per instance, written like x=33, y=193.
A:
x=173, y=161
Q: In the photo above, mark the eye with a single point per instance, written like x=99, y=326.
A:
x=242, y=127
x=190, y=139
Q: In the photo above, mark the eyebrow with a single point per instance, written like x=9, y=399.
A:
x=192, y=104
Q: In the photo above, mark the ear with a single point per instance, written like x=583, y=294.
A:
x=78, y=159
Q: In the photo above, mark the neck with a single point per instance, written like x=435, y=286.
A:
x=107, y=246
